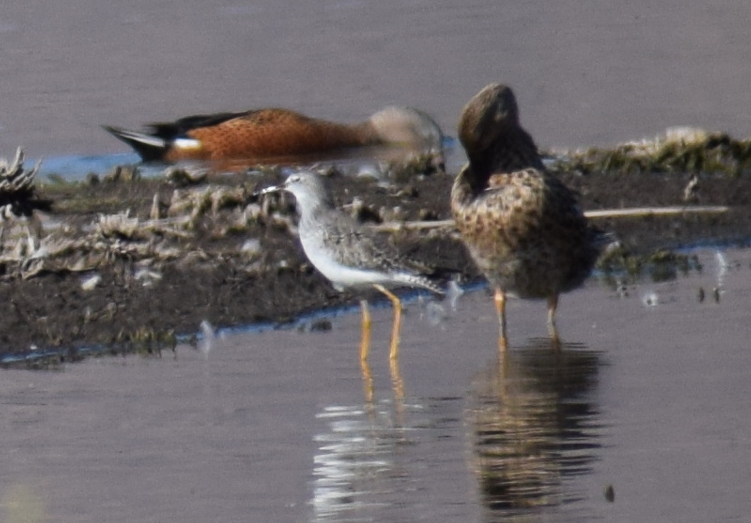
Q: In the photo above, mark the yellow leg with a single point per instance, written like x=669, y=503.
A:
x=365, y=340
x=500, y=306
x=394, y=348
x=397, y=385
x=552, y=306
x=397, y=382
x=367, y=382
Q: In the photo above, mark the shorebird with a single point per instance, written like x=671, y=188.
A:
x=269, y=133
x=522, y=226
x=351, y=256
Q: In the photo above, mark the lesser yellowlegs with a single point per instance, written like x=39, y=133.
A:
x=350, y=255
x=522, y=226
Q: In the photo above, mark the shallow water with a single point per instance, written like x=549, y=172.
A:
x=649, y=396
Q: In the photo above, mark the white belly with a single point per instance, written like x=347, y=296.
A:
x=341, y=275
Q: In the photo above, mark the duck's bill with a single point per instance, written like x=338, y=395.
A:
x=267, y=190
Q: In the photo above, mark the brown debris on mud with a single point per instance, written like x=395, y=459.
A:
x=129, y=263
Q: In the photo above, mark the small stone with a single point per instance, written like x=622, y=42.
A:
x=91, y=282
x=319, y=325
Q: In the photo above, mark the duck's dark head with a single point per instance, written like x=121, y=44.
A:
x=489, y=114
x=490, y=132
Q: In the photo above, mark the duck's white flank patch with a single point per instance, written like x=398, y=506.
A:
x=186, y=143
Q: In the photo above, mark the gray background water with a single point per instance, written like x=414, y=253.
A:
x=653, y=400
x=584, y=74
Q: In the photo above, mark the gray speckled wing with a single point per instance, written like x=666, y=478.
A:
x=331, y=234
x=350, y=243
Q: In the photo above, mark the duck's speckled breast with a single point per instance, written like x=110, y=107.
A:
x=518, y=237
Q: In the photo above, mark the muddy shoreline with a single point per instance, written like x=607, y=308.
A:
x=151, y=259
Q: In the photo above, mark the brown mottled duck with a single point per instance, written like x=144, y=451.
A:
x=522, y=226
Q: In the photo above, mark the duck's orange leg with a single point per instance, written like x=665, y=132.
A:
x=552, y=330
x=500, y=306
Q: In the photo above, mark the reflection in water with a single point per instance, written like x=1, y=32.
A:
x=397, y=384
x=389, y=460
x=355, y=460
x=533, y=424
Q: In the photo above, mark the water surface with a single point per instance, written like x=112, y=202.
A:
x=649, y=396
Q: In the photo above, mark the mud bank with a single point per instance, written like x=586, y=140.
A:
x=132, y=264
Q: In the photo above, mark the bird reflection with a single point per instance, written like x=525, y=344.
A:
x=397, y=384
x=533, y=423
x=359, y=467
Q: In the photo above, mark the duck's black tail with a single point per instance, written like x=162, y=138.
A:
x=148, y=147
